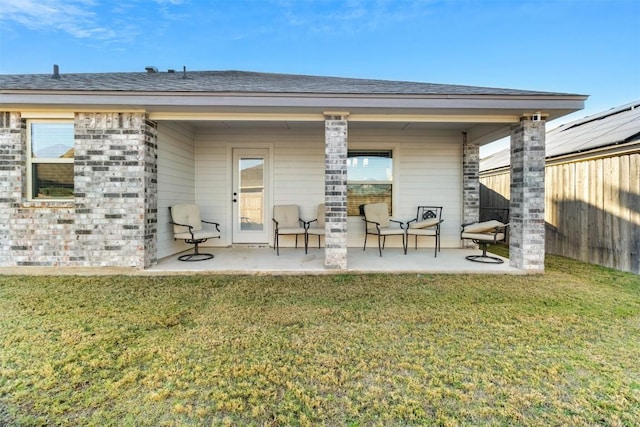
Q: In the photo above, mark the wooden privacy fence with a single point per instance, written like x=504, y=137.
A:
x=592, y=209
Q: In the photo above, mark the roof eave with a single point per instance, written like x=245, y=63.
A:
x=555, y=105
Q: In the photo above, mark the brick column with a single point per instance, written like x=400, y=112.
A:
x=527, y=230
x=335, y=191
x=116, y=190
x=150, y=193
x=12, y=172
x=470, y=184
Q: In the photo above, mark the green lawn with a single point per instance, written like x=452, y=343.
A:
x=347, y=350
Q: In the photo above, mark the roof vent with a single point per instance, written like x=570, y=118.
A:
x=56, y=72
x=184, y=71
x=151, y=69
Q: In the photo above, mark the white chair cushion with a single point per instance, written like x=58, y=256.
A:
x=185, y=214
x=197, y=235
x=291, y=230
x=317, y=227
x=288, y=216
x=316, y=231
x=482, y=227
x=424, y=224
x=320, y=216
x=485, y=237
x=422, y=231
x=391, y=231
x=377, y=212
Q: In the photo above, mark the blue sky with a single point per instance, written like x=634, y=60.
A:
x=574, y=46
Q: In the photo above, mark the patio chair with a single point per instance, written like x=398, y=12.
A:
x=286, y=221
x=485, y=233
x=315, y=227
x=378, y=223
x=188, y=226
x=426, y=224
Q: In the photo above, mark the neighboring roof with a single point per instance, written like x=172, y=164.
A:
x=241, y=82
x=612, y=127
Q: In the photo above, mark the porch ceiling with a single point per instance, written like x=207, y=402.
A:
x=482, y=133
x=206, y=125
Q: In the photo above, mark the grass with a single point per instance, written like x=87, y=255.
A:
x=348, y=350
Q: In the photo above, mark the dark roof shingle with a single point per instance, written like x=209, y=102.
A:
x=241, y=82
x=615, y=126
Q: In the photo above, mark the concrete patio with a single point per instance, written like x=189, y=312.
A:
x=263, y=260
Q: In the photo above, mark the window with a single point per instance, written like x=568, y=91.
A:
x=369, y=178
x=50, y=158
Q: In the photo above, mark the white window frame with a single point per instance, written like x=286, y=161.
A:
x=44, y=160
x=393, y=149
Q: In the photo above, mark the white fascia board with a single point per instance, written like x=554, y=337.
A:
x=46, y=114
x=182, y=99
x=239, y=116
x=436, y=118
x=353, y=117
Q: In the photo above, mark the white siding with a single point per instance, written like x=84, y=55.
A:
x=427, y=170
x=213, y=185
x=297, y=166
x=176, y=180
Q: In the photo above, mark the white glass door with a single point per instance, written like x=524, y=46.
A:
x=250, y=196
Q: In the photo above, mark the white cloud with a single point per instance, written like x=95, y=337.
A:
x=79, y=18
x=72, y=16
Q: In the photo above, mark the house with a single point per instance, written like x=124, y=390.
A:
x=144, y=141
x=592, y=202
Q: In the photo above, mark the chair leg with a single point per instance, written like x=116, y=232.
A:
x=277, y=244
x=484, y=258
x=435, y=250
x=379, y=245
x=196, y=255
x=365, y=240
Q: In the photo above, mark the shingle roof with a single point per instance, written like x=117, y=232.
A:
x=241, y=82
x=616, y=126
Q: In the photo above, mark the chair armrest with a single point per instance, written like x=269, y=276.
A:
x=182, y=225
x=275, y=222
x=398, y=222
x=190, y=227
x=372, y=222
x=212, y=223
x=307, y=224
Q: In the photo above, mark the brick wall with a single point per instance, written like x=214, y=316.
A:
x=336, y=192
x=12, y=171
x=470, y=184
x=527, y=225
x=112, y=221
